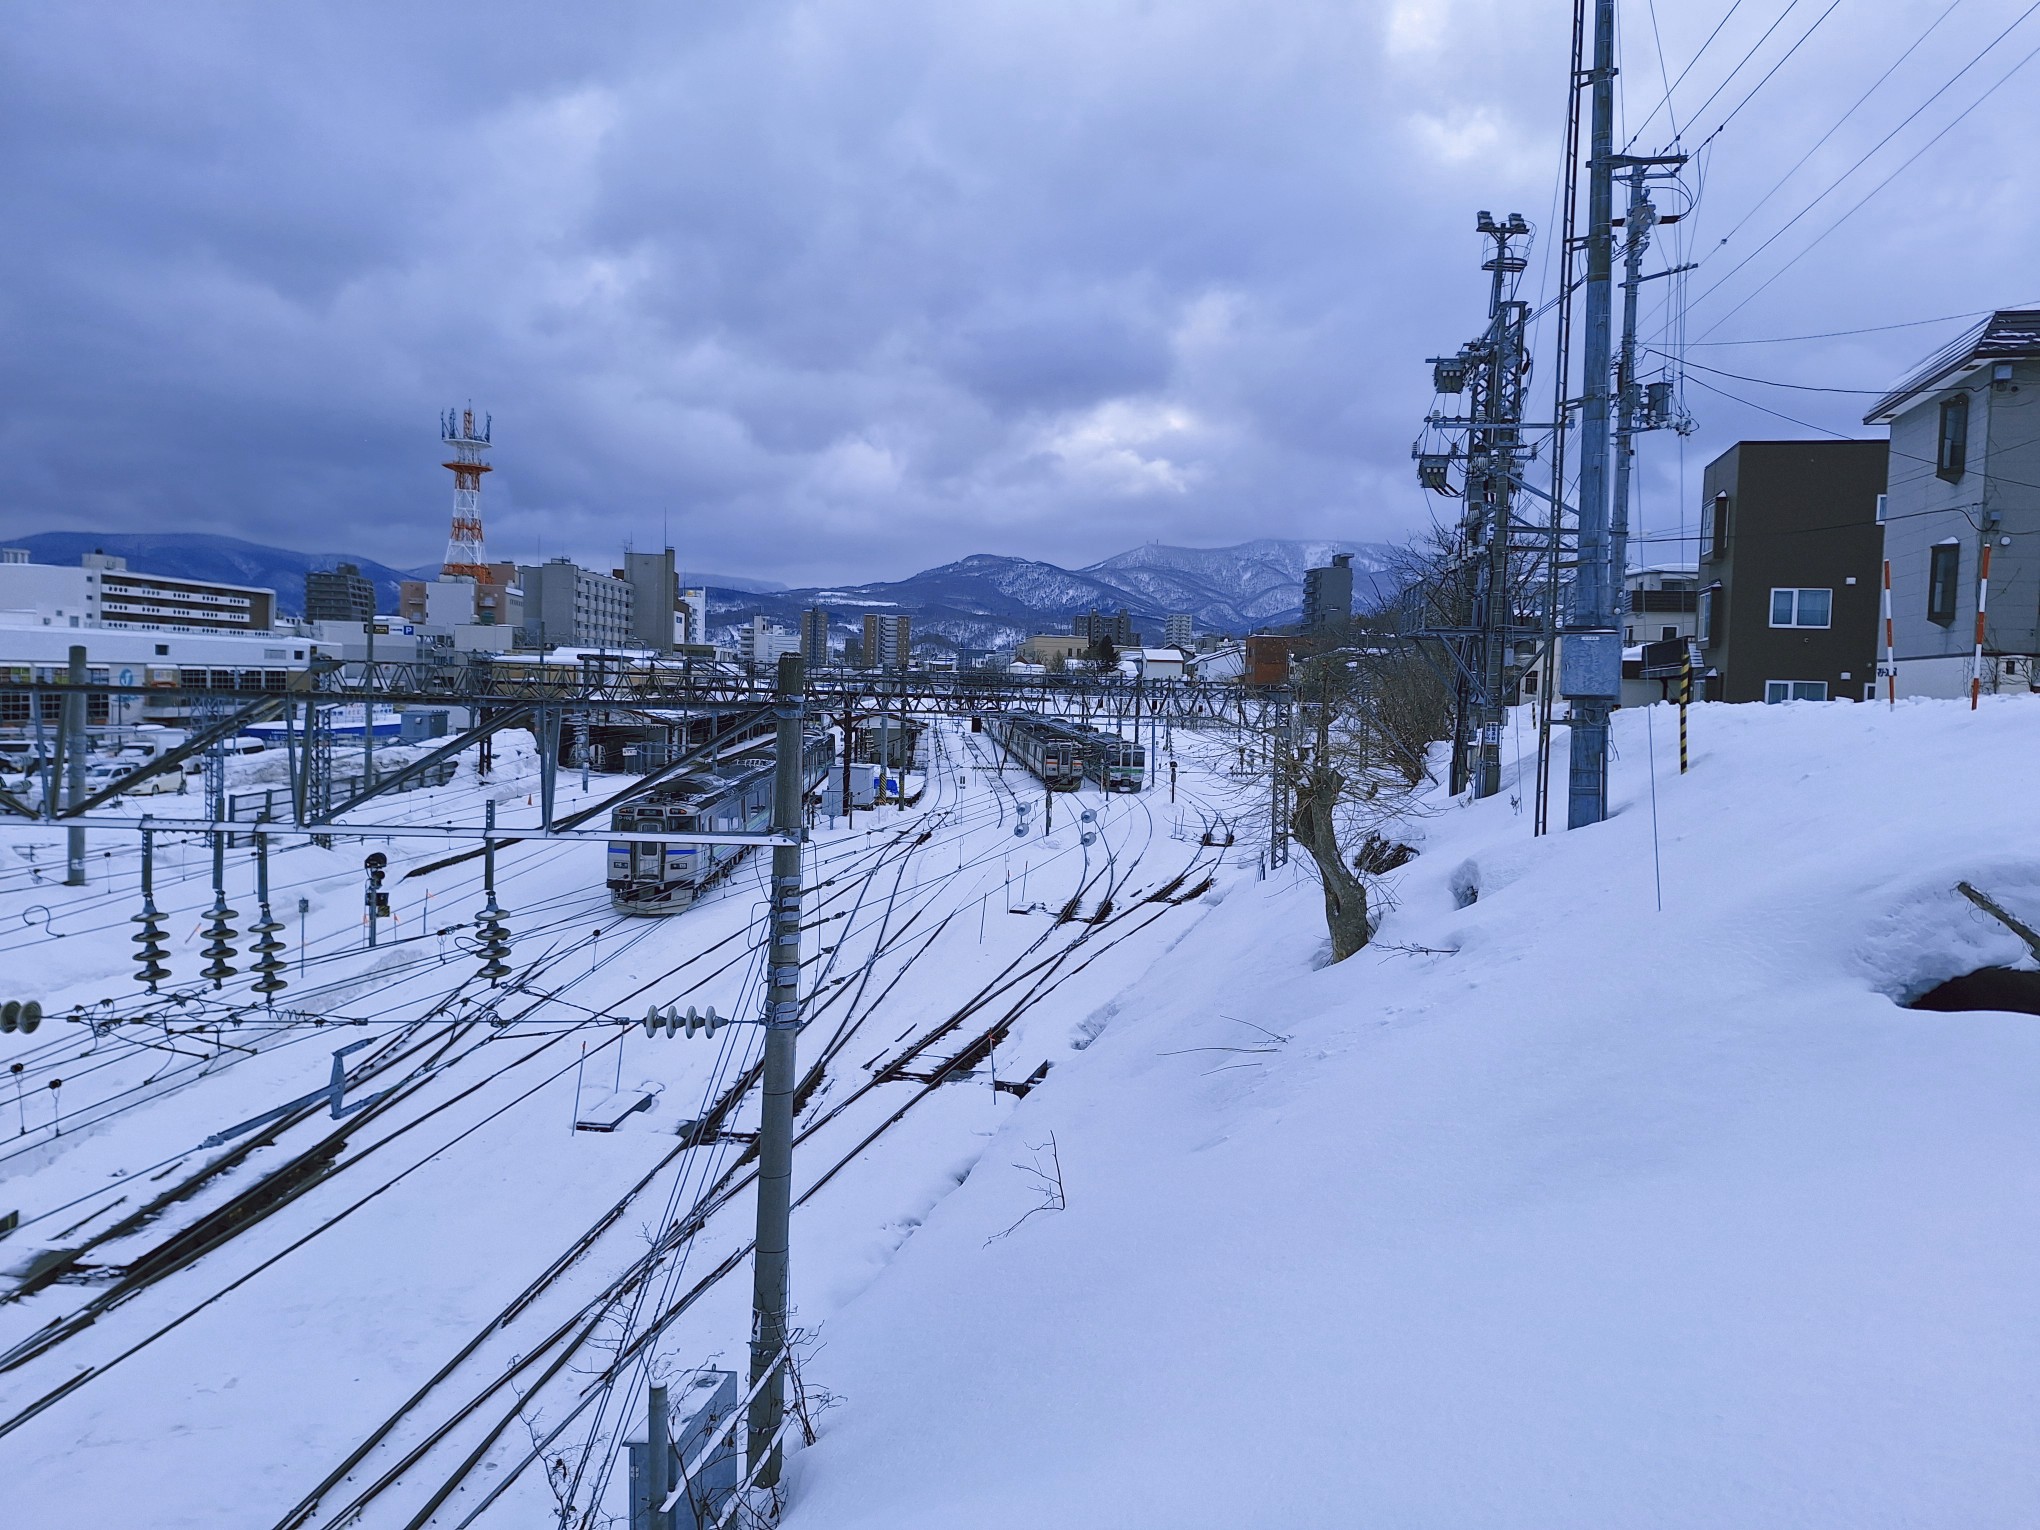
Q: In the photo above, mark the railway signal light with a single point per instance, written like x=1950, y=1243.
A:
x=675, y=1022
x=17, y=1015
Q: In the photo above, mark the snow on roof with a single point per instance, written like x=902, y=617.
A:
x=2008, y=333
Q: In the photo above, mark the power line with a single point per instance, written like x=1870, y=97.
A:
x=1786, y=55
x=1697, y=56
x=1872, y=192
x=1767, y=381
x=1833, y=334
x=1911, y=48
x=1701, y=111
x=1864, y=158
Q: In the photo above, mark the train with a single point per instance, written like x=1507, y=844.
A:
x=1116, y=764
x=654, y=877
x=1052, y=751
x=1065, y=754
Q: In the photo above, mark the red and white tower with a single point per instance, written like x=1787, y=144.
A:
x=464, y=551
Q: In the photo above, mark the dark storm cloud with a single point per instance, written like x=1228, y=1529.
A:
x=841, y=290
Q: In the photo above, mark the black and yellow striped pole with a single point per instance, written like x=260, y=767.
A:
x=1685, y=700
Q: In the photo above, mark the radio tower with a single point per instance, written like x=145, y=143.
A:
x=464, y=552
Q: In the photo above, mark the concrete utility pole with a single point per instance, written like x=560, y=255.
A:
x=775, y=1124
x=74, y=748
x=658, y=1435
x=1590, y=674
x=1632, y=415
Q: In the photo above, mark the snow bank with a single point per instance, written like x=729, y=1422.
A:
x=1551, y=1209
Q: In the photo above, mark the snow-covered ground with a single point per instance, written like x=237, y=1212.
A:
x=233, y=1375
x=1551, y=1208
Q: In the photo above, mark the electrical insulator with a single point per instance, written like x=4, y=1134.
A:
x=219, y=933
x=149, y=967
x=673, y=1022
x=268, y=958
x=15, y=1015
x=495, y=941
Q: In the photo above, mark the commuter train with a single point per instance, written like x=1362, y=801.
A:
x=1064, y=754
x=734, y=797
x=1052, y=751
x=1114, y=763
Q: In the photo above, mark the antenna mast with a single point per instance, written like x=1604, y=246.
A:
x=465, y=553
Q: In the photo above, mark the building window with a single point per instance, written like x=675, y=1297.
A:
x=1714, y=527
x=1953, y=455
x=1795, y=690
x=1944, y=569
x=1802, y=608
x=1710, y=605
x=1666, y=634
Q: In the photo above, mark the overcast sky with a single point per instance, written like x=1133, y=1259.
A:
x=834, y=291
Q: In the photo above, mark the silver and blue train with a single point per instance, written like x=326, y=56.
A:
x=1065, y=754
x=655, y=877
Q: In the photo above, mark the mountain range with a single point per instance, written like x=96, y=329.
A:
x=983, y=601
x=989, y=601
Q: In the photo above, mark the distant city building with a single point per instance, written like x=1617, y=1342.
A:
x=888, y=641
x=499, y=597
x=1116, y=630
x=690, y=621
x=567, y=606
x=443, y=603
x=1177, y=630
x=102, y=592
x=763, y=641
x=1050, y=647
x=339, y=594
x=1328, y=594
x=814, y=637
x=655, y=598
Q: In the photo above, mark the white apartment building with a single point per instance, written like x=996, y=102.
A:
x=762, y=642
x=102, y=592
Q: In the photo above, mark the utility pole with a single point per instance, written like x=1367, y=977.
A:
x=775, y=1124
x=1634, y=411
x=1590, y=674
x=1479, y=627
x=74, y=747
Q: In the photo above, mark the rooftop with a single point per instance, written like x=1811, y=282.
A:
x=2008, y=333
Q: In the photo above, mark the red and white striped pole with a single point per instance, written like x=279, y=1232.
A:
x=1982, y=604
x=1890, y=662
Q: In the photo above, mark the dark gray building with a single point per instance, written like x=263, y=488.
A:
x=1790, y=562
x=654, y=598
x=1965, y=454
x=814, y=637
x=1116, y=630
x=1328, y=594
x=339, y=594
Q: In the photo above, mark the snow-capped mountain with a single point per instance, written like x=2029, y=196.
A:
x=989, y=601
